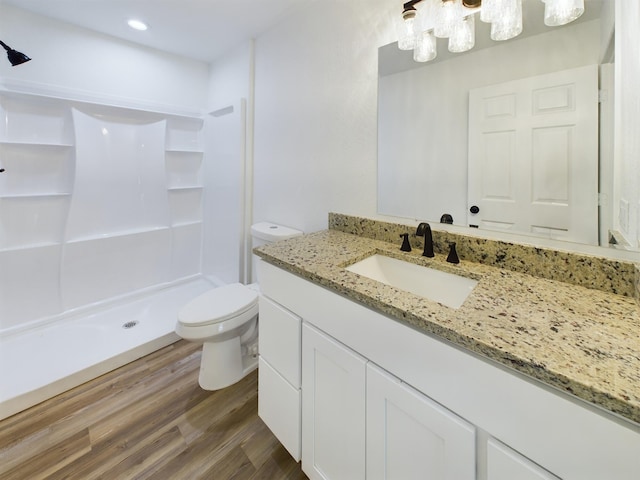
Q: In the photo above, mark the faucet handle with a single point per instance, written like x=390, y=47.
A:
x=453, y=255
x=406, y=246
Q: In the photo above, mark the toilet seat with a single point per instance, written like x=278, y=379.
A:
x=218, y=305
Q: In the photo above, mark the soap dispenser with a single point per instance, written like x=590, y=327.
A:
x=406, y=247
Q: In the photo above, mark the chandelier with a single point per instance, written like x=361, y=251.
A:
x=424, y=20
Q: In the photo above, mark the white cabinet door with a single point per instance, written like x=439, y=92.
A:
x=503, y=463
x=333, y=408
x=409, y=436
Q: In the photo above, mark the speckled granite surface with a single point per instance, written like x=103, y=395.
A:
x=585, y=270
x=583, y=341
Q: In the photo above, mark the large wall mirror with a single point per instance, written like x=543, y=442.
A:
x=513, y=136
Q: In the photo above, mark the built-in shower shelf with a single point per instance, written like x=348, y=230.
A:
x=30, y=246
x=189, y=187
x=24, y=196
x=184, y=169
x=116, y=234
x=186, y=223
x=35, y=120
x=37, y=144
x=184, y=150
x=184, y=134
x=35, y=169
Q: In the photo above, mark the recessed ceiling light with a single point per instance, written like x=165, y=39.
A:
x=137, y=25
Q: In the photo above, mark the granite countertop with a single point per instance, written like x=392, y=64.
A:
x=585, y=342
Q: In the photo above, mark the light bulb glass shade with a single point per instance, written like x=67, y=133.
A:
x=407, y=31
x=561, y=12
x=508, y=23
x=425, y=47
x=447, y=15
x=463, y=37
x=426, y=16
x=489, y=10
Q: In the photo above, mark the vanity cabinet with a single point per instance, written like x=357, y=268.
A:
x=382, y=400
x=411, y=436
x=333, y=408
x=361, y=422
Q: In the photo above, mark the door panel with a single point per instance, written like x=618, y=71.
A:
x=333, y=408
x=533, y=155
x=409, y=436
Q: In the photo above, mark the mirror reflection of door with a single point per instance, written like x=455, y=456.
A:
x=533, y=155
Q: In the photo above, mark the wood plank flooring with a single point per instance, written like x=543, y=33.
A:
x=146, y=420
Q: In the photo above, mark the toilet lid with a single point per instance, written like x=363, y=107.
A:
x=218, y=305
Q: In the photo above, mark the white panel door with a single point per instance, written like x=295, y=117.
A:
x=533, y=155
x=409, y=436
x=333, y=408
x=503, y=463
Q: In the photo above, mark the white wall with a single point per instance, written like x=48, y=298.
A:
x=85, y=63
x=316, y=112
x=230, y=76
x=227, y=164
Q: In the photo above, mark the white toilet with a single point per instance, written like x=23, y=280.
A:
x=225, y=320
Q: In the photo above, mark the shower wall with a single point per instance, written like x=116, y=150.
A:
x=96, y=203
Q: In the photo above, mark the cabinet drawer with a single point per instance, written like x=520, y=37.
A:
x=280, y=339
x=279, y=407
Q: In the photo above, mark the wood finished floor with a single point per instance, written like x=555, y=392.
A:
x=146, y=420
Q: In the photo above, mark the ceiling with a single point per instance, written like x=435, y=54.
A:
x=198, y=29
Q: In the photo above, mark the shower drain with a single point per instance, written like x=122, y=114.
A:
x=130, y=324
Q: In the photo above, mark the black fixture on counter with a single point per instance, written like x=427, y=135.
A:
x=424, y=230
x=15, y=57
x=406, y=246
x=453, y=255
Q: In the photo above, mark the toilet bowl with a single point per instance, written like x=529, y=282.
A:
x=225, y=321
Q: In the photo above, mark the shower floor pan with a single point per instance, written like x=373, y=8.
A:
x=41, y=363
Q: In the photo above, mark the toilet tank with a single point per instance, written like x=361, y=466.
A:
x=266, y=232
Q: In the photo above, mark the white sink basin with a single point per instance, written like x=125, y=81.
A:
x=442, y=287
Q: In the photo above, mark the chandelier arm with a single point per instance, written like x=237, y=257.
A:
x=410, y=5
